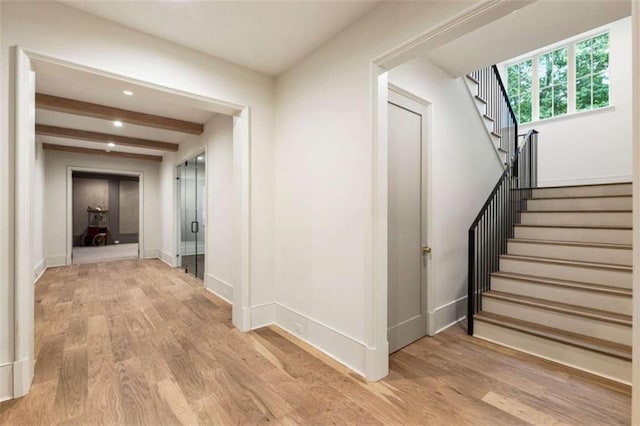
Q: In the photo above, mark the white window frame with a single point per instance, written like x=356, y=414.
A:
x=571, y=74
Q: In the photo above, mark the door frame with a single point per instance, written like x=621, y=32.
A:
x=178, y=215
x=22, y=285
x=423, y=107
x=471, y=18
x=69, y=211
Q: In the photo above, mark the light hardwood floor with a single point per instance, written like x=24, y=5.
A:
x=136, y=342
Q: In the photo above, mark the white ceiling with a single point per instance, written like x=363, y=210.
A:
x=266, y=36
x=531, y=27
x=59, y=80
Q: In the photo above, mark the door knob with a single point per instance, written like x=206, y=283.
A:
x=426, y=250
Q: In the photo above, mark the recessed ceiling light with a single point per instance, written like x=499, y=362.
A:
x=111, y=144
x=128, y=92
x=117, y=123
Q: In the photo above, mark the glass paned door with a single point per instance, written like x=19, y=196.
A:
x=192, y=215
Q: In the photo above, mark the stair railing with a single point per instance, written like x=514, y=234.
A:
x=494, y=225
x=492, y=93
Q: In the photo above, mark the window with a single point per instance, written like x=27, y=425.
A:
x=592, y=73
x=520, y=90
x=569, y=79
x=552, y=83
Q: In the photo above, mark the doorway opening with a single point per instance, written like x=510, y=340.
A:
x=105, y=216
x=192, y=215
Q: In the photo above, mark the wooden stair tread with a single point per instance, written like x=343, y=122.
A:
x=577, y=211
x=573, y=243
x=565, y=308
x=585, y=185
x=580, y=197
x=574, y=339
x=568, y=262
x=596, y=288
x=626, y=228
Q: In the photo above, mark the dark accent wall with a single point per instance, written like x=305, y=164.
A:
x=113, y=206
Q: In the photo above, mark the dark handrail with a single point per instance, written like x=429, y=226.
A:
x=494, y=224
x=504, y=93
x=492, y=93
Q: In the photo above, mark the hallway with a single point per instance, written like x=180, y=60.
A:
x=137, y=342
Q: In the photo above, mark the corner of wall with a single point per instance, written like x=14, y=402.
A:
x=219, y=287
x=167, y=258
x=447, y=315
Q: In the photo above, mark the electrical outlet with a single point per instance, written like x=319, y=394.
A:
x=299, y=329
x=117, y=241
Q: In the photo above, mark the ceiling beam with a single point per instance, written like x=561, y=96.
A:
x=85, y=135
x=64, y=148
x=86, y=109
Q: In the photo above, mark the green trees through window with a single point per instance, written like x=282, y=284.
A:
x=592, y=73
x=579, y=72
x=519, y=88
x=552, y=83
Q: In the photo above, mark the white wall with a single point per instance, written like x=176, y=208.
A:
x=594, y=146
x=323, y=166
x=54, y=29
x=222, y=262
x=55, y=201
x=464, y=169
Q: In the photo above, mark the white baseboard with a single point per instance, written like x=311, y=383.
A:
x=168, y=258
x=53, y=261
x=22, y=376
x=151, y=254
x=263, y=315
x=39, y=269
x=584, y=181
x=6, y=382
x=344, y=349
x=447, y=315
x=219, y=287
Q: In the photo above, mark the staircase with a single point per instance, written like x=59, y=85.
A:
x=487, y=91
x=563, y=288
x=550, y=269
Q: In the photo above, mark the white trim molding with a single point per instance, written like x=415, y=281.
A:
x=6, y=381
x=53, y=261
x=348, y=351
x=447, y=315
x=219, y=287
x=168, y=258
x=150, y=254
x=635, y=36
x=39, y=269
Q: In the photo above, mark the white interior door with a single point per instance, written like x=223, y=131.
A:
x=407, y=250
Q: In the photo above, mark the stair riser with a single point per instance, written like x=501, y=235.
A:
x=583, y=191
x=607, y=236
x=623, y=219
x=585, y=254
x=612, y=203
x=593, y=362
x=573, y=323
x=575, y=296
x=609, y=277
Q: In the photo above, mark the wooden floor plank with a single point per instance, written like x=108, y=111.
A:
x=136, y=342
